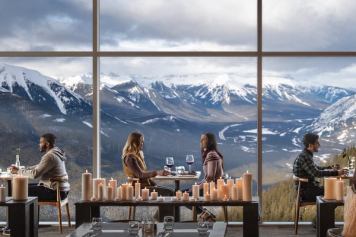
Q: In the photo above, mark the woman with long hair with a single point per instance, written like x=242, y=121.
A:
x=350, y=210
x=134, y=166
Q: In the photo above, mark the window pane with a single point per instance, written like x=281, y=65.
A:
x=298, y=25
x=303, y=95
x=43, y=95
x=172, y=101
x=178, y=25
x=45, y=25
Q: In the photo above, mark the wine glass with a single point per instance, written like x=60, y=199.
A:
x=168, y=224
x=96, y=224
x=169, y=162
x=190, y=160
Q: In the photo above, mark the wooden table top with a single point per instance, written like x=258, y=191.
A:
x=179, y=177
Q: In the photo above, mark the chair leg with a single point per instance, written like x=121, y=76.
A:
x=38, y=214
x=296, y=218
x=68, y=215
x=225, y=214
x=194, y=214
x=60, y=217
x=132, y=212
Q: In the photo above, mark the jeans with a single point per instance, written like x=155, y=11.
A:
x=44, y=193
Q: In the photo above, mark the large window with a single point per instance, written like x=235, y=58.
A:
x=176, y=69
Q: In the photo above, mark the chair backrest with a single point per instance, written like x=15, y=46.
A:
x=300, y=181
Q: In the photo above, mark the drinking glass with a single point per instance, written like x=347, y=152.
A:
x=96, y=224
x=169, y=162
x=190, y=160
x=168, y=224
x=203, y=227
x=134, y=227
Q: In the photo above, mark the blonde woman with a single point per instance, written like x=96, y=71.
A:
x=134, y=166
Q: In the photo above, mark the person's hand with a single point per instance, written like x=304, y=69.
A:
x=14, y=169
x=335, y=167
x=342, y=172
x=163, y=173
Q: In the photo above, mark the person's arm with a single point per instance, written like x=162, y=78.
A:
x=323, y=168
x=312, y=170
x=135, y=168
x=45, y=165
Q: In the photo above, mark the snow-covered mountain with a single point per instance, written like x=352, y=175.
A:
x=41, y=90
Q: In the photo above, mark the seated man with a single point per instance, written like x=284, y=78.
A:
x=51, y=170
x=304, y=167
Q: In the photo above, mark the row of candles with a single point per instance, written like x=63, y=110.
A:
x=98, y=190
x=334, y=189
x=19, y=189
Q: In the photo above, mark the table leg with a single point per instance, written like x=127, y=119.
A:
x=84, y=213
x=19, y=218
x=9, y=188
x=250, y=220
x=34, y=219
x=325, y=217
x=177, y=208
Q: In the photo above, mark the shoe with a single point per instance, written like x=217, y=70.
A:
x=207, y=216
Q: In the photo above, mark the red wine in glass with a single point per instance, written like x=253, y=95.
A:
x=189, y=159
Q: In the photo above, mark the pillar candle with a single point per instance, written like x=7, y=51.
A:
x=87, y=180
x=145, y=194
x=110, y=193
x=207, y=197
x=339, y=190
x=100, y=192
x=2, y=193
x=130, y=192
x=225, y=198
x=154, y=195
x=247, y=187
x=137, y=190
x=113, y=184
x=238, y=185
x=185, y=197
x=214, y=194
x=179, y=195
x=329, y=184
x=96, y=183
x=225, y=193
x=234, y=193
x=206, y=188
x=230, y=184
x=211, y=186
x=118, y=194
x=124, y=188
x=195, y=191
x=19, y=188
x=219, y=183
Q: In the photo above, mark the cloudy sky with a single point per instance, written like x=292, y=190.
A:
x=185, y=25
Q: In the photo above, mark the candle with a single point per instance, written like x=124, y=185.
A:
x=329, y=184
x=234, y=193
x=160, y=199
x=96, y=183
x=137, y=190
x=247, y=187
x=214, y=194
x=2, y=193
x=100, y=192
x=130, y=192
x=185, y=197
x=207, y=197
x=154, y=195
x=110, y=193
x=225, y=198
x=118, y=194
x=225, y=192
x=113, y=184
x=339, y=190
x=211, y=186
x=87, y=186
x=145, y=194
x=230, y=184
x=239, y=189
x=19, y=188
x=124, y=188
x=178, y=195
x=195, y=191
x=206, y=187
x=219, y=184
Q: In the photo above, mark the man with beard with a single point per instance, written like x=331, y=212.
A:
x=51, y=171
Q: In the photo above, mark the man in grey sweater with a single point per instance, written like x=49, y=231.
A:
x=51, y=171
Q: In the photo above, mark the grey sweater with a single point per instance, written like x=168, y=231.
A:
x=50, y=170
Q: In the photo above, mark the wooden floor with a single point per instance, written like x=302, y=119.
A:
x=232, y=231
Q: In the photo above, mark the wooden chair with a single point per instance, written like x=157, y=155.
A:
x=299, y=203
x=59, y=204
x=132, y=209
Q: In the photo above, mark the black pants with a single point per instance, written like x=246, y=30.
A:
x=310, y=192
x=43, y=193
x=163, y=191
